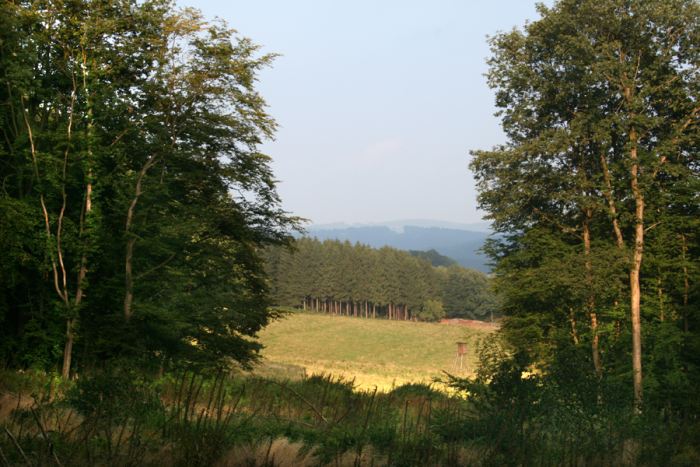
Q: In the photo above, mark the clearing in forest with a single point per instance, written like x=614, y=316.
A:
x=373, y=352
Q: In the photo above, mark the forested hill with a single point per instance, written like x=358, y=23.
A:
x=433, y=257
x=461, y=245
x=354, y=279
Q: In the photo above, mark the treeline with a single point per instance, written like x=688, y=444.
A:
x=356, y=280
x=125, y=128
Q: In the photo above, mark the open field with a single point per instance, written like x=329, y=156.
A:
x=376, y=352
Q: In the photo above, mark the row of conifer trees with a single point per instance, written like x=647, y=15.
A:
x=347, y=279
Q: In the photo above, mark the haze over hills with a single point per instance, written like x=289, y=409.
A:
x=460, y=242
x=398, y=225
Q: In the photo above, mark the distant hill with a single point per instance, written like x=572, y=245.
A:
x=461, y=245
x=398, y=225
x=432, y=256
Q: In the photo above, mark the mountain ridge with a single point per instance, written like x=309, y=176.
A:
x=459, y=244
x=399, y=225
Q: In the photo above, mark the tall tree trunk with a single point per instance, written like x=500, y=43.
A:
x=87, y=210
x=62, y=291
x=131, y=240
x=612, y=209
x=590, y=304
x=637, y=256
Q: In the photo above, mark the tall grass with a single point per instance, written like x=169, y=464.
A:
x=117, y=418
x=120, y=418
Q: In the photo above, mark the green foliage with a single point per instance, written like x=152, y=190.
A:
x=416, y=390
x=468, y=294
x=591, y=198
x=566, y=192
x=341, y=278
x=563, y=414
x=113, y=396
x=435, y=258
x=135, y=200
x=432, y=310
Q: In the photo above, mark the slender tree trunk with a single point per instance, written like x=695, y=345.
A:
x=591, y=297
x=61, y=291
x=131, y=240
x=608, y=193
x=574, y=331
x=67, y=349
x=612, y=209
x=637, y=256
x=87, y=210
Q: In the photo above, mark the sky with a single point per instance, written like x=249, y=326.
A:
x=378, y=101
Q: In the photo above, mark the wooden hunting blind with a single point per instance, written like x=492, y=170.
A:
x=461, y=352
x=461, y=348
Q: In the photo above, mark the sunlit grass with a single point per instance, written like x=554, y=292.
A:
x=373, y=353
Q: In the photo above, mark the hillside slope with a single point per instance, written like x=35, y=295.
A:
x=461, y=245
x=373, y=352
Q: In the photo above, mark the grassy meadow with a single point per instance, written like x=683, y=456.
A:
x=373, y=353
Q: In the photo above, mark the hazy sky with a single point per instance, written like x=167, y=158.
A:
x=378, y=102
